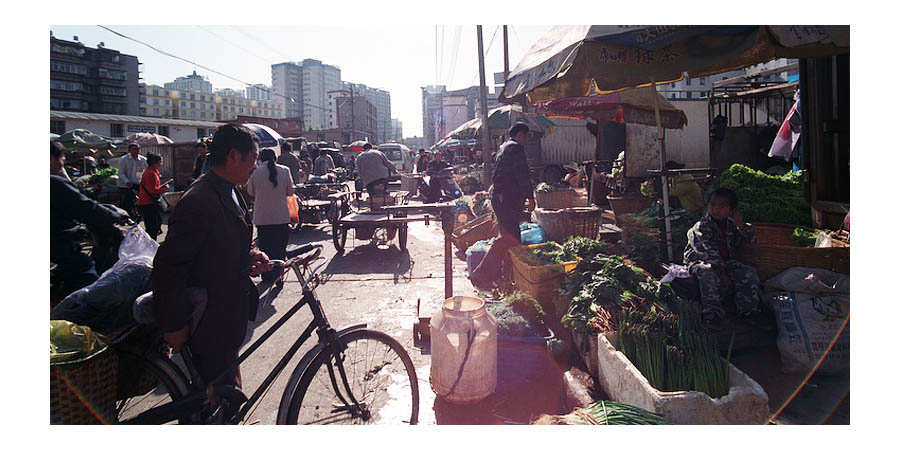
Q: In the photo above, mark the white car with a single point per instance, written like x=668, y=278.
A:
x=398, y=154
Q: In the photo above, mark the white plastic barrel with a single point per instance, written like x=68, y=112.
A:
x=463, y=335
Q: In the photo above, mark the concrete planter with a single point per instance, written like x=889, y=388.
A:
x=745, y=403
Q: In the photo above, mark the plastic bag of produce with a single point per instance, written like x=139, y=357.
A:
x=106, y=304
x=69, y=341
x=475, y=253
x=812, y=311
x=532, y=233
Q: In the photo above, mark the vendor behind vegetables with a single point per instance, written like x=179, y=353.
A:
x=711, y=255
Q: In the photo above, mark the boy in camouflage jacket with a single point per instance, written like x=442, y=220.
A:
x=711, y=256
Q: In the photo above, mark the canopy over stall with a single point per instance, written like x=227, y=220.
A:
x=501, y=119
x=578, y=61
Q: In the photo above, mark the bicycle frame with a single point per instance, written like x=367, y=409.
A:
x=201, y=392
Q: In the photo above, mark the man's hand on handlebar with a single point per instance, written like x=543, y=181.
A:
x=259, y=262
x=176, y=339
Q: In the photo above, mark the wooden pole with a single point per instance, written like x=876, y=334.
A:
x=505, y=54
x=662, y=166
x=485, y=132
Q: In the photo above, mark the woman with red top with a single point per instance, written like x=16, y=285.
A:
x=150, y=191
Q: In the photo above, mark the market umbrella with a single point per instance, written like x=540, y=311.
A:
x=147, y=138
x=631, y=106
x=577, y=61
x=502, y=118
x=84, y=139
x=267, y=136
x=54, y=136
x=356, y=146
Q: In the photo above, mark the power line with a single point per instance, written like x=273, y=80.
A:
x=233, y=44
x=203, y=67
x=455, y=53
x=272, y=49
x=485, y=53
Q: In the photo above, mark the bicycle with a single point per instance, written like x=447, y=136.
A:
x=340, y=380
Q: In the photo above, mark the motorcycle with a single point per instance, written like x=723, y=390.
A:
x=440, y=186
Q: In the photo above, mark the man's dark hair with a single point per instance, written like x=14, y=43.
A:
x=286, y=148
x=153, y=158
x=229, y=137
x=518, y=128
x=57, y=149
x=367, y=146
x=133, y=145
x=421, y=150
x=727, y=194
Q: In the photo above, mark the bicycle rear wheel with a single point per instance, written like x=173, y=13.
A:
x=379, y=373
x=146, y=382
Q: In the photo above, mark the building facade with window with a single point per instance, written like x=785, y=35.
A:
x=157, y=101
x=303, y=89
x=192, y=82
x=694, y=88
x=258, y=92
x=381, y=99
x=120, y=126
x=95, y=80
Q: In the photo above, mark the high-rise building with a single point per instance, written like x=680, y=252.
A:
x=258, y=92
x=190, y=83
x=304, y=89
x=444, y=110
x=93, y=80
x=396, y=130
x=381, y=99
x=157, y=101
x=227, y=92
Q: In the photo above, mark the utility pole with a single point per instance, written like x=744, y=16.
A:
x=485, y=131
x=352, y=114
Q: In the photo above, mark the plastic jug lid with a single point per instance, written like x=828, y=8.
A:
x=463, y=304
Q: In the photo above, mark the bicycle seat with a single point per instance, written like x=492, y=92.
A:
x=297, y=251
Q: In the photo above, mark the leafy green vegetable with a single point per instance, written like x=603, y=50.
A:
x=101, y=176
x=803, y=238
x=544, y=187
x=583, y=247
x=767, y=198
x=518, y=314
x=548, y=255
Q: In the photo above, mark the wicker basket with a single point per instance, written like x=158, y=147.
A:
x=83, y=392
x=539, y=281
x=627, y=204
x=477, y=229
x=556, y=199
x=578, y=221
x=775, y=252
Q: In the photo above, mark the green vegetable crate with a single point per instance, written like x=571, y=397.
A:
x=539, y=281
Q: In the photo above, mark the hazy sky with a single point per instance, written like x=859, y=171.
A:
x=397, y=58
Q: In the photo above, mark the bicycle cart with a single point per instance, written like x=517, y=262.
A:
x=318, y=199
x=377, y=223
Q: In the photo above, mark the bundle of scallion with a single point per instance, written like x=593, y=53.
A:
x=604, y=412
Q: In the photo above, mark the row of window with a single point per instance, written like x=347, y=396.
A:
x=118, y=92
x=113, y=74
x=71, y=86
x=67, y=67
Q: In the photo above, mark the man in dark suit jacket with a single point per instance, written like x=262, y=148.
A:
x=208, y=245
x=511, y=186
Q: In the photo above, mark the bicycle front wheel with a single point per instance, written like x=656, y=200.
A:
x=147, y=382
x=379, y=374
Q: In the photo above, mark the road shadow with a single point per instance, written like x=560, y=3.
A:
x=370, y=260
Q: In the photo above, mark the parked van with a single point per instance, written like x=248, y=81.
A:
x=398, y=154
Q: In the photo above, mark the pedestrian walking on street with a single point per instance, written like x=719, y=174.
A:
x=131, y=166
x=270, y=185
x=202, y=151
x=511, y=187
x=208, y=246
x=288, y=159
x=148, y=197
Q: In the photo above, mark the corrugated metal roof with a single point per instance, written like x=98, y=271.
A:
x=133, y=119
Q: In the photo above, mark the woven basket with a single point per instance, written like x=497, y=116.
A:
x=556, y=199
x=478, y=229
x=578, y=221
x=627, y=204
x=539, y=281
x=775, y=251
x=83, y=392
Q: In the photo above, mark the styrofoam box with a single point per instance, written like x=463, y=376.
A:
x=745, y=403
